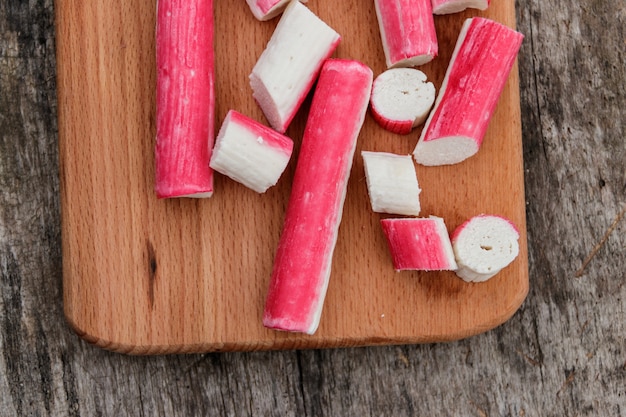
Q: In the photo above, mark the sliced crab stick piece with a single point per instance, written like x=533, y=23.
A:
x=303, y=259
x=185, y=98
x=267, y=9
x=456, y=6
x=290, y=63
x=407, y=31
x=421, y=244
x=483, y=246
x=401, y=99
x=479, y=68
x=250, y=153
x=391, y=183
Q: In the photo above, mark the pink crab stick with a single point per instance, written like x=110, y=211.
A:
x=185, y=102
x=303, y=259
x=456, y=6
x=479, y=68
x=421, y=244
x=268, y=9
x=407, y=30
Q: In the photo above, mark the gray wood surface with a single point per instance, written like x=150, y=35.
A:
x=562, y=354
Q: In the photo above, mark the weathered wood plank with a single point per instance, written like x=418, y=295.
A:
x=563, y=353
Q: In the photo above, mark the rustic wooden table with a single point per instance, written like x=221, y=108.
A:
x=563, y=353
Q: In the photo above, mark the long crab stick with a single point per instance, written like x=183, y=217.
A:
x=303, y=259
x=185, y=98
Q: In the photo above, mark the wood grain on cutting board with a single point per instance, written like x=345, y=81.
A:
x=148, y=276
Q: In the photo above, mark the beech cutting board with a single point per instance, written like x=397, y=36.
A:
x=148, y=276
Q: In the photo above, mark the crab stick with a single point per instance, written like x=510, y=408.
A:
x=401, y=99
x=456, y=6
x=185, y=100
x=303, y=259
x=421, y=244
x=290, y=63
x=267, y=9
x=407, y=31
x=479, y=68
x=483, y=246
x=391, y=183
x=250, y=153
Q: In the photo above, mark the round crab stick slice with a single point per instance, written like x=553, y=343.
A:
x=250, y=153
x=421, y=244
x=401, y=99
x=479, y=68
x=483, y=246
x=391, y=183
x=456, y=6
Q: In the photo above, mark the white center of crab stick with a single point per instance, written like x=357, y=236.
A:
x=483, y=246
x=391, y=183
x=479, y=68
x=250, y=153
x=290, y=63
x=401, y=99
x=304, y=255
x=421, y=244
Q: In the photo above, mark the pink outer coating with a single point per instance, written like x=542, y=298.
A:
x=419, y=244
x=271, y=137
x=455, y=6
x=407, y=28
x=185, y=98
x=475, y=78
x=303, y=259
x=267, y=9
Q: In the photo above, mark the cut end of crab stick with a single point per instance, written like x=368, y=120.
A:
x=391, y=183
x=401, y=99
x=185, y=98
x=268, y=9
x=456, y=6
x=290, y=63
x=407, y=30
x=479, y=68
x=250, y=153
x=302, y=265
x=483, y=246
x=421, y=244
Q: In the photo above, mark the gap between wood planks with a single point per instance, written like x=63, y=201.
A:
x=601, y=243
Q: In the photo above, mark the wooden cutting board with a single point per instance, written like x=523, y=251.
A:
x=148, y=276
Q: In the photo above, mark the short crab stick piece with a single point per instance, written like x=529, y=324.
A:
x=479, y=68
x=391, y=183
x=185, y=98
x=250, y=152
x=267, y=9
x=419, y=244
x=483, y=246
x=407, y=30
x=302, y=265
x=290, y=63
x=456, y=6
x=401, y=99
